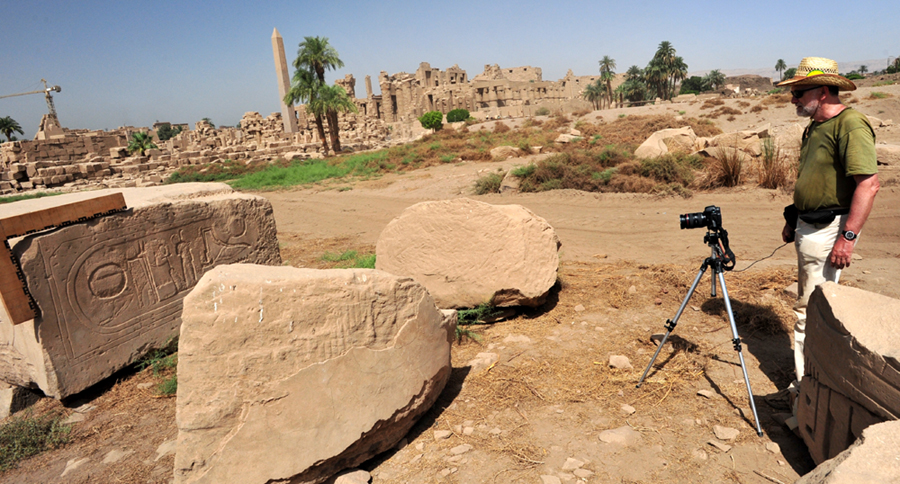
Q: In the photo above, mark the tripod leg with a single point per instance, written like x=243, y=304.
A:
x=737, y=347
x=670, y=324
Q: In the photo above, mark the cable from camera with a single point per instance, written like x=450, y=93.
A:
x=764, y=258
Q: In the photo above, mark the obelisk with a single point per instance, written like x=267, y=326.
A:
x=284, y=83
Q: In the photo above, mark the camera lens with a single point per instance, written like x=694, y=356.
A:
x=693, y=220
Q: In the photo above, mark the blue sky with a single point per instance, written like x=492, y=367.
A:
x=133, y=63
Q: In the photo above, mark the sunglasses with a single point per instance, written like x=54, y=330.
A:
x=799, y=92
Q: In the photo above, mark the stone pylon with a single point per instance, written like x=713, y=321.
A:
x=284, y=83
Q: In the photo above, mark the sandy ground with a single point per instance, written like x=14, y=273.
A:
x=544, y=408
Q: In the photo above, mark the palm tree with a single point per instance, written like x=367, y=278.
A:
x=594, y=93
x=305, y=90
x=863, y=69
x=780, y=66
x=334, y=100
x=634, y=73
x=714, y=79
x=8, y=126
x=678, y=72
x=139, y=143
x=607, y=73
x=315, y=55
x=209, y=122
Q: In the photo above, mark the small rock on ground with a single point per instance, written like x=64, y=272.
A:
x=550, y=480
x=572, y=464
x=442, y=434
x=725, y=433
x=620, y=362
x=628, y=409
x=621, y=436
x=461, y=449
x=356, y=476
x=719, y=445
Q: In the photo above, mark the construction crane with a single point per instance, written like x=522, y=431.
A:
x=46, y=91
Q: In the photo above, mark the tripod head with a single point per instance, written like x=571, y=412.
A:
x=717, y=240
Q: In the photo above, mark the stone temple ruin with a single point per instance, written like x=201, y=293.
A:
x=67, y=159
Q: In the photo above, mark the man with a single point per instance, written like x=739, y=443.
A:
x=836, y=185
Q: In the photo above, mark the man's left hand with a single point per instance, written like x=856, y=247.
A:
x=841, y=253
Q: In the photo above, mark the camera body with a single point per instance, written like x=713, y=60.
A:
x=710, y=217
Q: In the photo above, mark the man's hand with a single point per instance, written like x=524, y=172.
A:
x=787, y=233
x=841, y=253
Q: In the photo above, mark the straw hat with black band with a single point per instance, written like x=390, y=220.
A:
x=819, y=71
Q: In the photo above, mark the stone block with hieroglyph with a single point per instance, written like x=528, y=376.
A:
x=111, y=288
x=293, y=375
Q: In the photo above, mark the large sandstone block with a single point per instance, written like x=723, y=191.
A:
x=469, y=253
x=666, y=140
x=111, y=288
x=853, y=377
x=870, y=460
x=292, y=375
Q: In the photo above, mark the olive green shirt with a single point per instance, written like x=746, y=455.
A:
x=831, y=153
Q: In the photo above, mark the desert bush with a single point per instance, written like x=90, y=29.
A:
x=711, y=103
x=557, y=121
x=784, y=98
x=724, y=171
x=724, y=110
x=581, y=112
x=162, y=363
x=24, y=436
x=432, y=120
x=879, y=95
x=671, y=168
x=501, y=127
x=775, y=169
x=489, y=183
x=457, y=115
x=542, y=112
x=758, y=108
x=743, y=104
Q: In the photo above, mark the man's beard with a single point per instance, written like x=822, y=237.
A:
x=809, y=109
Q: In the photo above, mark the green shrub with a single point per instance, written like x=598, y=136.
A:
x=166, y=132
x=671, y=168
x=524, y=171
x=432, y=120
x=351, y=259
x=854, y=76
x=489, y=183
x=457, y=115
x=23, y=437
x=542, y=112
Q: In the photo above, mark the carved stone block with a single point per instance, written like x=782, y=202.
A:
x=111, y=288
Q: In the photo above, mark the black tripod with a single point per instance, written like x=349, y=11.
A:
x=718, y=261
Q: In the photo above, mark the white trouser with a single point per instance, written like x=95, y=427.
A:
x=814, y=243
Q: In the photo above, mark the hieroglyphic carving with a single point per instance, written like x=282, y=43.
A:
x=16, y=298
x=111, y=288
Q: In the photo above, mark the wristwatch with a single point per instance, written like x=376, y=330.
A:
x=849, y=235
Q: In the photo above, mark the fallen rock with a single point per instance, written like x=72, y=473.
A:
x=289, y=374
x=110, y=289
x=15, y=398
x=356, y=476
x=567, y=138
x=666, y=140
x=442, y=434
x=719, y=445
x=548, y=479
x=852, y=348
x=725, y=433
x=483, y=361
x=622, y=436
x=620, y=362
x=871, y=459
x=706, y=393
x=627, y=409
x=461, y=449
x=501, y=153
x=510, y=183
x=888, y=154
x=468, y=252
x=571, y=464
